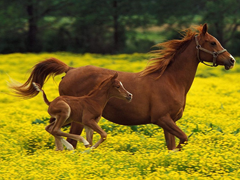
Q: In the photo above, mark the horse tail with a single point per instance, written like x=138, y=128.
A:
x=41, y=71
x=38, y=88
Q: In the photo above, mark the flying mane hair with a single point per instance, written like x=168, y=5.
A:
x=168, y=50
x=99, y=86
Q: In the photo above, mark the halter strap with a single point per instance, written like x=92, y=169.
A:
x=215, y=54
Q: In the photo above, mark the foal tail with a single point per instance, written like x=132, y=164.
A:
x=41, y=71
x=38, y=88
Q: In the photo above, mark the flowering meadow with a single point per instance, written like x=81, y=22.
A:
x=211, y=120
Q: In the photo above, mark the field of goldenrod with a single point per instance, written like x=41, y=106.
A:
x=211, y=117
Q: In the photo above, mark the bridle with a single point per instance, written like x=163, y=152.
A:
x=215, y=54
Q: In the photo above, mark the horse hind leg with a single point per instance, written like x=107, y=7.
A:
x=58, y=142
x=56, y=131
x=170, y=127
x=55, y=127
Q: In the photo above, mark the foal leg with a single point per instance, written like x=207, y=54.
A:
x=76, y=128
x=58, y=143
x=169, y=126
x=89, y=131
x=62, y=112
x=94, y=126
x=89, y=134
x=56, y=131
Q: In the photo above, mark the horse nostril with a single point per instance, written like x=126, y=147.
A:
x=129, y=97
x=232, y=60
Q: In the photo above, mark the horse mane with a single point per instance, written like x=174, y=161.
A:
x=168, y=50
x=99, y=86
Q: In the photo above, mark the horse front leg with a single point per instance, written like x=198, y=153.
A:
x=92, y=123
x=170, y=140
x=169, y=126
x=89, y=134
x=76, y=129
x=89, y=131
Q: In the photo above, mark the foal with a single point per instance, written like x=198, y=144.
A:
x=86, y=110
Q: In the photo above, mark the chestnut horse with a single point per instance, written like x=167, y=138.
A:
x=86, y=110
x=159, y=90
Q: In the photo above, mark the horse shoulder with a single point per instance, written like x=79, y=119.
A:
x=167, y=98
x=91, y=112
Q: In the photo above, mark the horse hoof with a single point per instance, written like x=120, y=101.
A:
x=67, y=145
x=174, y=150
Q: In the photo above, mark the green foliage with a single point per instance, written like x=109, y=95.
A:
x=41, y=121
x=110, y=26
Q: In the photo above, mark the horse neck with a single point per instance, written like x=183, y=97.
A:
x=101, y=96
x=184, y=67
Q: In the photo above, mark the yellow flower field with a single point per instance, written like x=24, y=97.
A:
x=211, y=119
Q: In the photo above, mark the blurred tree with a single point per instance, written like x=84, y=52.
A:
x=36, y=12
x=173, y=12
x=101, y=25
x=28, y=16
x=93, y=26
x=223, y=17
x=108, y=26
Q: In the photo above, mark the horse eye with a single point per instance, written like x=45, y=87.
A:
x=213, y=43
x=118, y=87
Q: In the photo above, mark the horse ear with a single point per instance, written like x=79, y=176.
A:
x=204, y=29
x=115, y=75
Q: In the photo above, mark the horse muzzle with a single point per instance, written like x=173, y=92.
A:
x=230, y=64
x=129, y=97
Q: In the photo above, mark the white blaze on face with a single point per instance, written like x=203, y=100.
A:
x=232, y=58
x=122, y=86
x=130, y=94
x=121, y=83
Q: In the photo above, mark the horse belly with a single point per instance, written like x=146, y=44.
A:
x=125, y=114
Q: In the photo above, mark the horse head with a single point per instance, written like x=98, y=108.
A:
x=209, y=49
x=118, y=89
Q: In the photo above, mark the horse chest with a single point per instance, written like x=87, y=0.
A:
x=169, y=103
x=177, y=107
x=178, y=115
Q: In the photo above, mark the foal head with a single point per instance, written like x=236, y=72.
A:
x=115, y=88
x=118, y=89
x=209, y=49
